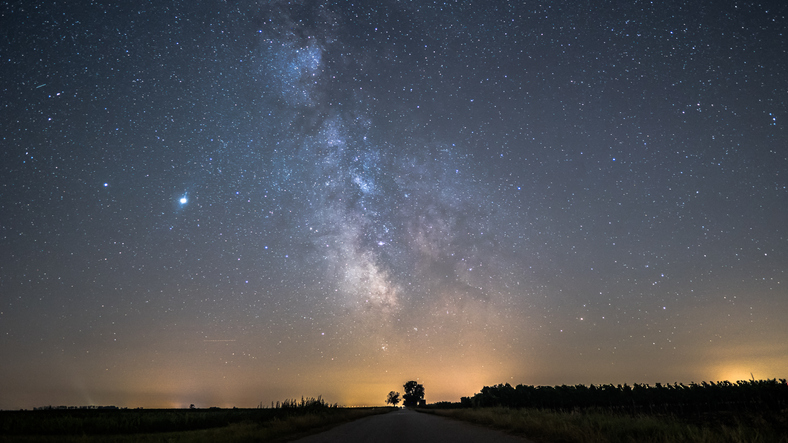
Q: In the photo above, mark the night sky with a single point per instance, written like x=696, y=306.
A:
x=228, y=203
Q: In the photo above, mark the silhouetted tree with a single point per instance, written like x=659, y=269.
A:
x=414, y=392
x=393, y=398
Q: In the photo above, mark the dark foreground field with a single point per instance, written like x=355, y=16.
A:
x=604, y=426
x=255, y=425
x=172, y=425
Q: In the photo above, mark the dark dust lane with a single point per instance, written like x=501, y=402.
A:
x=412, y=427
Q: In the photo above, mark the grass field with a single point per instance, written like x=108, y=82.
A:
x=173, y=425
x=606, y=427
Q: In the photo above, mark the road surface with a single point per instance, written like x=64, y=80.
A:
x=412, y=427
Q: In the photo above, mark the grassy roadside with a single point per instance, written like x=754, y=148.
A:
x=606, y=427
x=275, y=430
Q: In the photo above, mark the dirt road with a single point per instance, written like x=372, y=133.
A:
x=412, y=427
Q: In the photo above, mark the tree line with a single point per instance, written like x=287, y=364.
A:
x=312, y=404
x=769, y=394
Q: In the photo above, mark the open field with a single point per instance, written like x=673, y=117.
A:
x=173, y=425
x=601, y=426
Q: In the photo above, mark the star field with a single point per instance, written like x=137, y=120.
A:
x=232, y=203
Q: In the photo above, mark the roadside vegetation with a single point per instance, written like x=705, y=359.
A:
x=754, y=411
x=288, y=419
x=600, y=426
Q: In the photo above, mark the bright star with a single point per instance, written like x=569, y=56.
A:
x=184, y=200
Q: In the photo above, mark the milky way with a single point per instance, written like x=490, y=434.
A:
x=227, y=205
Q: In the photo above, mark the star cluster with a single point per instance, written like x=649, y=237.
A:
x=225, y=204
